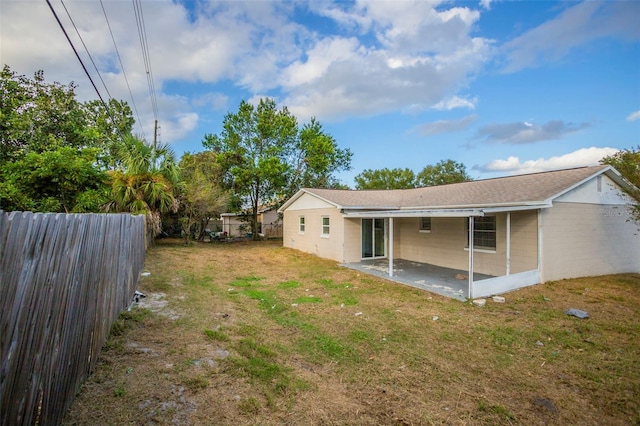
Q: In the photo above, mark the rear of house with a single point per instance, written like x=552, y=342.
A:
x=590, y=231
x=520, y=230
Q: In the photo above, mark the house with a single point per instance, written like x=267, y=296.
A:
x=237, y=224
x=496, y=234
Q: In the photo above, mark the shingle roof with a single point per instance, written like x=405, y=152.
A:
x=526, y=189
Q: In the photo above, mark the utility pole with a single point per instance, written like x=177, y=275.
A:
x=155, y=135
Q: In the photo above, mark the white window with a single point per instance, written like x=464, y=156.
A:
x=425, y=224
x=484, y=232
x=325, y=226
x=301, y=224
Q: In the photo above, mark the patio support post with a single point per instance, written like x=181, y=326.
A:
x=508, y=243
x=540, y=245
x=390, y=246
x=470, y=257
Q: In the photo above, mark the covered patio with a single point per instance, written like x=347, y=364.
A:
x=435, y=279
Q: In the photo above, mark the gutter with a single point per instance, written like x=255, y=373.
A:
x=467, y=212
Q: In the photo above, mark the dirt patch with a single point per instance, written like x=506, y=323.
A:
x=158, y=304
x=246, y=333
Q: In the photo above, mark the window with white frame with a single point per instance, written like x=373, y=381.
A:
x=425, y=224
x=301, y=224
x=484, y=232
x=325, y=226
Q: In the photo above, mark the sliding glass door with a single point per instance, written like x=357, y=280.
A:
x=373, y=238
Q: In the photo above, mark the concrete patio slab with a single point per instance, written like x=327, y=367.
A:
x=435, y=279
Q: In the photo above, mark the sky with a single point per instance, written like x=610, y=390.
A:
x=503, y=87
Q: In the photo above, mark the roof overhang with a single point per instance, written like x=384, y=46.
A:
x=435, y=212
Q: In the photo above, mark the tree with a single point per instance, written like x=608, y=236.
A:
x=315, y=158
x=145, y=181
x=252, y=148
x=385, y=179
x=627, y=162
x=266, y=158
x=106, y=126
x=37, y=116
x=202, y=196
x=442, y=173
x=53, y=149
x=64, y=180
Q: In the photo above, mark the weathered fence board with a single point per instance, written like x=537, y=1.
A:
x=63, y=281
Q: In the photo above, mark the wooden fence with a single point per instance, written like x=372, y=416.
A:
x=64, y=279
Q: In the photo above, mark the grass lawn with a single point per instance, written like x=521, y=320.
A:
x=253, y=333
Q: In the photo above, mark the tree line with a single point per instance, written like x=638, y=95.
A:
x=61, y=155
x=441, y=173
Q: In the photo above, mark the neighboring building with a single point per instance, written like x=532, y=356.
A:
x=520, y=230
x=233, y=224
x=237, y=224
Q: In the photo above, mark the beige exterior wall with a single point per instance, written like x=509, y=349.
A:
x=587, y=240
x=352, y=240
x=312, y=240
x=524, y=241
x=446, y=244
x=443, y=246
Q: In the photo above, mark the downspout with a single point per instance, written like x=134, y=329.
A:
x=508, y=243
x=470, y=257
x=391, y=247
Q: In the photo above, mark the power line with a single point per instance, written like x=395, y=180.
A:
x=135, y=107
x=106, y=107
x=137, y=7
x=86, y=49
x=145, y=51
x=77, y=55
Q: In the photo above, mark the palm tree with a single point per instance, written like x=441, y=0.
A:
x=145, y=181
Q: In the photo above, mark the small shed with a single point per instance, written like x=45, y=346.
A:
x=237, y=224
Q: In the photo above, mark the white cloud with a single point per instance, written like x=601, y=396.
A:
x=420, y=27
x=30, y=27
x=178, y=126
x=343, y=16
x=581, y=157
x=574, y=27
x=446, y=126
x=525, y=132
x=391, y=56
x=634, y=116
x=215, y=101
x=395, y=56
x=486, y=4
x=456, y=102
x=238, y=41
x=320, y=58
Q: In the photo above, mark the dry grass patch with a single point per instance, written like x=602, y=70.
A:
x=265, y=335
